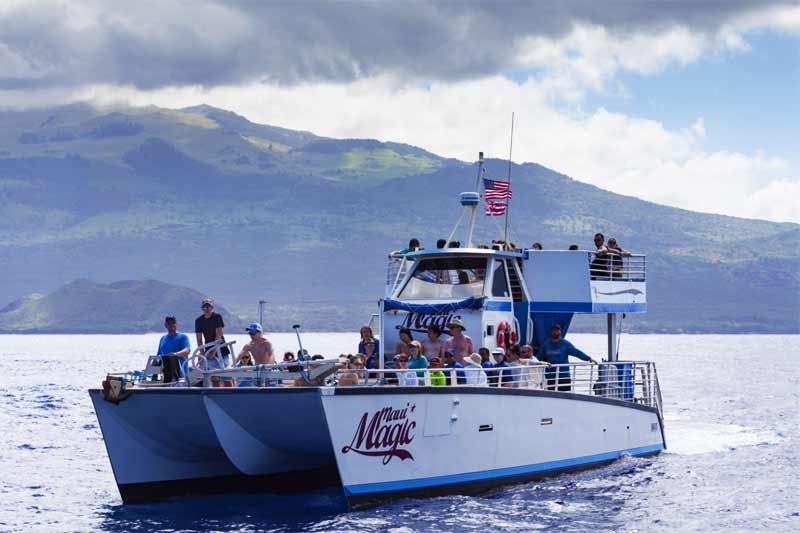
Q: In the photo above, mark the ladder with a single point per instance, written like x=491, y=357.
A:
x=517, y=294
x=396, y=269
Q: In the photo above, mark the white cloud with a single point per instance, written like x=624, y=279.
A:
x=624, y=154
x=590, y=56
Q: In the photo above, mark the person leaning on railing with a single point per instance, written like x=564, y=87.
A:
x=599, y=267
x=616, y=254
x=556, y=351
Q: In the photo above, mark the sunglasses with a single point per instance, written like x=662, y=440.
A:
x=252, y=333
x=206, y=306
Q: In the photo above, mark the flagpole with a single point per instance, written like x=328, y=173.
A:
x=508, y=200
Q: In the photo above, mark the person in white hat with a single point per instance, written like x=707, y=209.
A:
x=459, y=344
x=474, y=370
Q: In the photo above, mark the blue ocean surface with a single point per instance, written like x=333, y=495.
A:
x=732, y=410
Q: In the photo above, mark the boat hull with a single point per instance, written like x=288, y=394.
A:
x=176, y=441
x=401, y=442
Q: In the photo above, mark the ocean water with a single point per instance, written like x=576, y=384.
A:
x=732, y=410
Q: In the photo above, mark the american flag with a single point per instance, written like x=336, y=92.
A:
x=497, y=190
x=497, y=195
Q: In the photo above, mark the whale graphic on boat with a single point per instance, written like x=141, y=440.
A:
x=294, y=427
x=634, y=292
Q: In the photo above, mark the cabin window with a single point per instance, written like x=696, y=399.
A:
x=446, y=278
x=499, y=280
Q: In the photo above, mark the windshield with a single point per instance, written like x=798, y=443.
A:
x=446, y=278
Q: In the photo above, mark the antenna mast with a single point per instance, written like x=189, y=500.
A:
x=508, y=202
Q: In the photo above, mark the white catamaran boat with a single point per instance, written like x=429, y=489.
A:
x=295, y=428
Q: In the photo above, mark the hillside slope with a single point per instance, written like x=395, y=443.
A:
x=133, y=306
x=204, y=198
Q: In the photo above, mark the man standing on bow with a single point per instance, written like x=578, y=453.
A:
x=209, y=327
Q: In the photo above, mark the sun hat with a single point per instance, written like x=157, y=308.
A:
x=255, y=326
x=456, y=322
x=473, y=359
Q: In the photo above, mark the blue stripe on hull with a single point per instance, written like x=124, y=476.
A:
x=587, y=307
x=552, y=466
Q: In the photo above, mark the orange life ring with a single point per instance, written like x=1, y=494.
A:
x=501, y=334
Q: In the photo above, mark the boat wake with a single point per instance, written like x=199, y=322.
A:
x=692, y=438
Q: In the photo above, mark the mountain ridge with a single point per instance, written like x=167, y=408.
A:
x=125, y=306
x=201, y=188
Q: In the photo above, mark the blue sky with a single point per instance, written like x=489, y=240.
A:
x=749, y=99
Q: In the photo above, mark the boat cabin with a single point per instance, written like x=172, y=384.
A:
x=504, y=297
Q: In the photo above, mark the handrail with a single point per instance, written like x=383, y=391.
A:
x=632, y=381
x=616, y=267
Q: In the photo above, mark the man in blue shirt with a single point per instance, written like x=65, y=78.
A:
x=556, y=351
x=450, y=362
x=499, y=377
x=173, y=349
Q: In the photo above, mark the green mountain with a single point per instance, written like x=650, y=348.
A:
x=121, y=307
x=202, y=197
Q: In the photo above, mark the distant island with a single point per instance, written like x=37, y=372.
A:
x=134, y=306
x=201, y=197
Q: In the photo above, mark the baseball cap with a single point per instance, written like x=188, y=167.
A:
x=498, y=351
x=255, y=326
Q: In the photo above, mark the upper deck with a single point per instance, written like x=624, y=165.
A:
x=550, y=280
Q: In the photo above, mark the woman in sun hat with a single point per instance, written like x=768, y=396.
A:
x=474, y=370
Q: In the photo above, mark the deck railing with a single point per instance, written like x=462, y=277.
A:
x=631, y=381
x=615, y=267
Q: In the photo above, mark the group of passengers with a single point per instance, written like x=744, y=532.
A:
x=603, y=249
x=174, y=348
x=455, y=357
x=605, y=263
